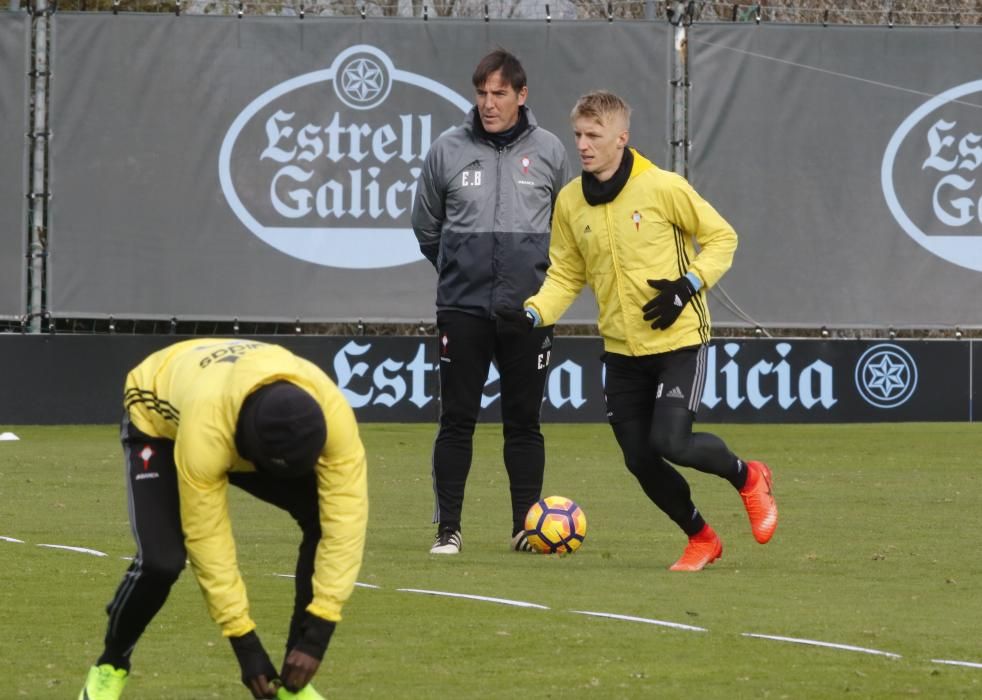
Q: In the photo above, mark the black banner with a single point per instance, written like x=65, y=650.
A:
x=79, y=379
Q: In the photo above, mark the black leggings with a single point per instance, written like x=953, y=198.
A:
x=650, y=402
x=648, y=444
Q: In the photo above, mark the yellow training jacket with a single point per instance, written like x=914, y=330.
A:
x=648, y=231
x=191, y=393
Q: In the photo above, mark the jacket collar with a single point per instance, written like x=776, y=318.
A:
x=596, y=192
x=526, y=122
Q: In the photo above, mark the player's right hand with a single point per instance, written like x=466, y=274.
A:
x=299, y=669
x=260, y=687
x=303, y=660
x=513, y=321
x=258, y=672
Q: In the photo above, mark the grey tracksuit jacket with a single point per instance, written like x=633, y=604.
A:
x=482, y=215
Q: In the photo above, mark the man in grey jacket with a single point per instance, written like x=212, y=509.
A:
x=482, y=216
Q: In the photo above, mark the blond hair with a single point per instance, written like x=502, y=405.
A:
x=601, y=105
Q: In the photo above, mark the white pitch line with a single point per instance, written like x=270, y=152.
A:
x=648, y=621
x=628, y=618
x=970, y=664
x=830, y=645
x=83, y=550
x=359, y=585
x=486, y=599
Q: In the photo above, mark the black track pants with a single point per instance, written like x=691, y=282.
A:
x=467, y=346
x=155, y=519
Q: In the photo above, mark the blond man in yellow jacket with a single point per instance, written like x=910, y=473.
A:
x=205, y=413
x=649, y=246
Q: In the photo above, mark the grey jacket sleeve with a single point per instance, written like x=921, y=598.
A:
x=428, y=208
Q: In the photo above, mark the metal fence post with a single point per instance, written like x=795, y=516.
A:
x=680, y=19
x=37, y=256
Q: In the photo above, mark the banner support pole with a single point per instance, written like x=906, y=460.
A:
x=681, y=19
x=37, y=256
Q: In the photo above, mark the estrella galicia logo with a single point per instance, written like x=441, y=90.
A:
x=365, y=81
x=324, y=166
x=930, y=175
x=886, y=375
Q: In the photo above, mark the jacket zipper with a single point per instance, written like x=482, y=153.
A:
x=494, y=225
x=615, y=264
x=499, y=150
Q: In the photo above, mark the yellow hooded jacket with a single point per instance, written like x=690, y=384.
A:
x=191, y=393
x=650, y=230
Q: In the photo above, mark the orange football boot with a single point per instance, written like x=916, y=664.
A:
x=704, y=548
x=758, y=499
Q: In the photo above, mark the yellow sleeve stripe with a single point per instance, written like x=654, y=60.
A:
x=151, y=402
x=698, y=301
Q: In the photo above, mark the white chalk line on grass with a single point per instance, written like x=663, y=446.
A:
x=468, y=596
x=969, y=664
x=358, y=584
x=613, y=616
x=70, y=548
x=81, y=550
x=645, y=620
x=816, y=643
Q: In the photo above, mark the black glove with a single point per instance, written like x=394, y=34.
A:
x=254, y=663
x=513, y=321
x=672, y=297
x=315, y=633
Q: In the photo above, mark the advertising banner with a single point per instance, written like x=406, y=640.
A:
x=14, y=43
x=848, y=159
x=265, y=168
x=76, y=379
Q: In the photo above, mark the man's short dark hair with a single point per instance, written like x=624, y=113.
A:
x=509, y=65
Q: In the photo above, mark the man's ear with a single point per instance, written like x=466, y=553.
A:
x=523, y=95
x=622, y=138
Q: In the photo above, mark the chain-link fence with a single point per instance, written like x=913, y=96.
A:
x=860, y=12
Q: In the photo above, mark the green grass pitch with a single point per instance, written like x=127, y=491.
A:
x=877, y=548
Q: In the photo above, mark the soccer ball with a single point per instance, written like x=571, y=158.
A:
x=555, y=524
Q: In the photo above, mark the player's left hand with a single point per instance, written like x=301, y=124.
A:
x=665, y=308
x=303, y=660
x=299, y=669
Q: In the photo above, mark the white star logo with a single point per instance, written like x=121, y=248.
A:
x=886, y=375
x=362, y=79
